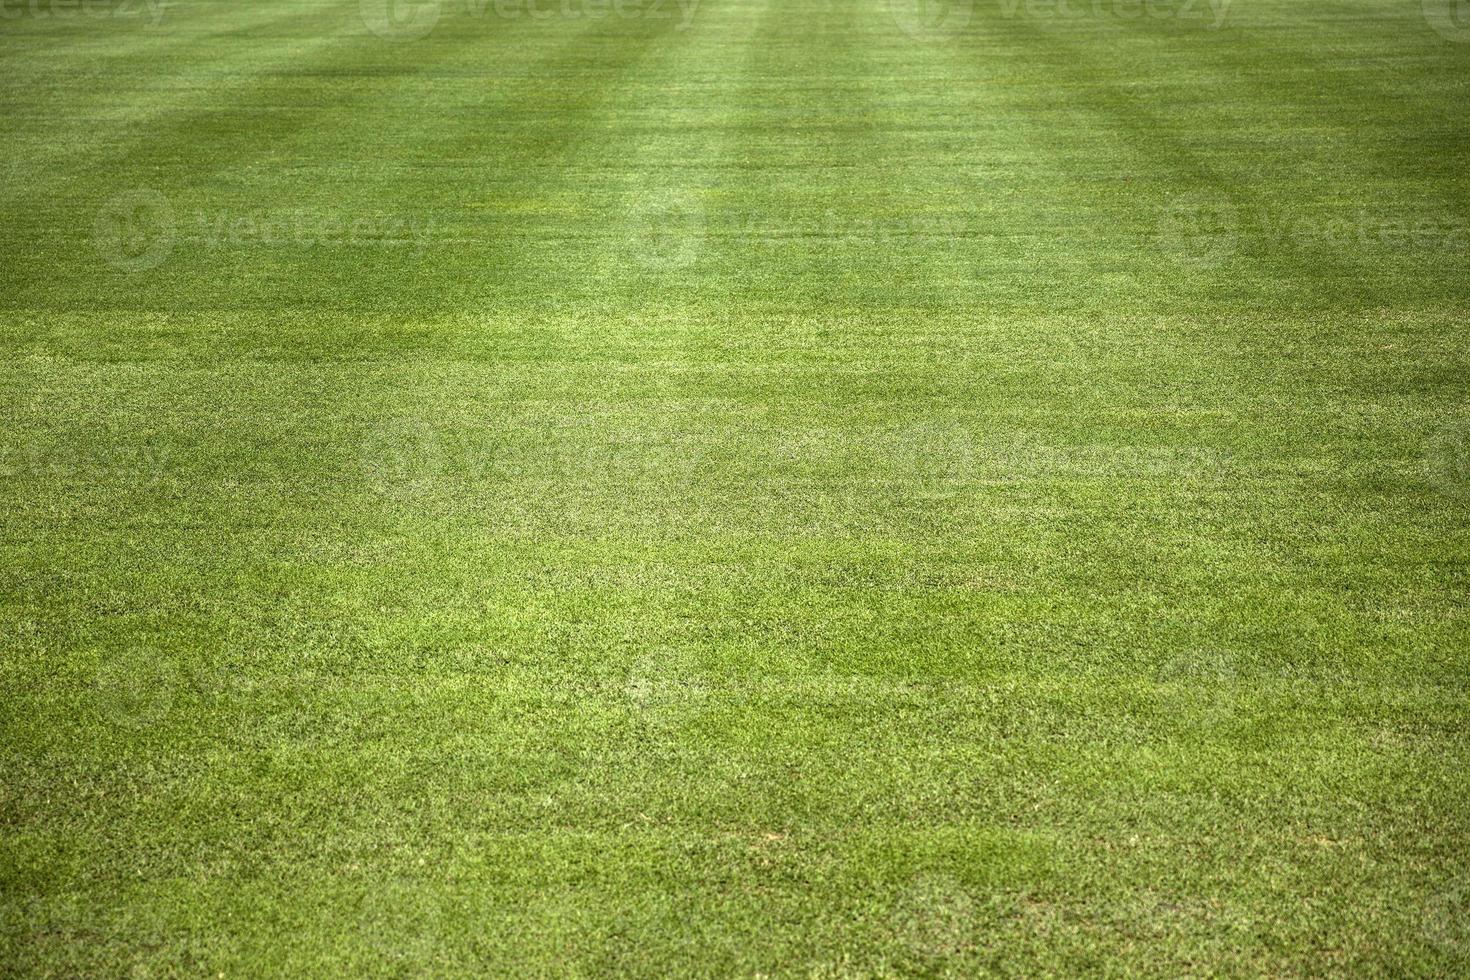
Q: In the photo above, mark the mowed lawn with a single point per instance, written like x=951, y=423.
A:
x=759, y=487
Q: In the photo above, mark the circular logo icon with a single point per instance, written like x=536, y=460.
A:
x=666, y=229
x=1447, y=924
x=213, y=683
x=1447, y=459
x=1200, y=688
x=1450, y=19
x=931, y=20
x=134, y=231
x=402, y=453
x=935, y=452
x=399, y=20
x=648, y=685
x=136, y=688
x=657, y=687
x=1200, y=230
x=935, y=917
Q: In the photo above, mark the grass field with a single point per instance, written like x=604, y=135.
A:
x=740, y=487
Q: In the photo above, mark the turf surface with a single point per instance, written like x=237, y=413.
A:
x=780, y=487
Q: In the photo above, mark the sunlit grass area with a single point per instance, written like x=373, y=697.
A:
x=734, y=487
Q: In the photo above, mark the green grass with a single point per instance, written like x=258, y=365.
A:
x=754, y=491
